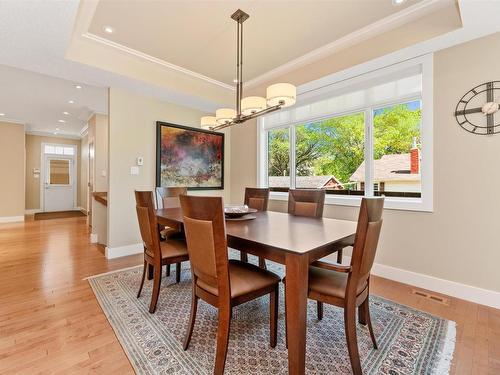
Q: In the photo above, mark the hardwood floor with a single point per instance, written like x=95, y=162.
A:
x=50, y=321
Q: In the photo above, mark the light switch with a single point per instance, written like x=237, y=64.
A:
x=134, y=171
x=103, y=173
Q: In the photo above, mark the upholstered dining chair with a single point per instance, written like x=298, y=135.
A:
x=308, y=202
x=218, y=281
x=156, y=253
x=168, y=197
x=258, y=199
x=348, y=287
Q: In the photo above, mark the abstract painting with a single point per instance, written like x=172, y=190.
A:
x=189, y=157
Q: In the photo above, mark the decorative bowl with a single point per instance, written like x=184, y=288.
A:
x=238, y=211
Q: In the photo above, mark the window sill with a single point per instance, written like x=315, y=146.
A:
x=391, y=203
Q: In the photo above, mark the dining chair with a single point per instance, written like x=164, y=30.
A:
x=348, y=287
x=308, y=202
x=168, y=197
x=256, y=198
x=156, y=253
x=218, y=281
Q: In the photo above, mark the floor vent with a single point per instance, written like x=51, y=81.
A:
x=432, y=297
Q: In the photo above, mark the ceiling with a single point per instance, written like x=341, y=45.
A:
x=200, y=36
x=38, y=101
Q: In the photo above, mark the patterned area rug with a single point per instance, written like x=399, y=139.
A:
x=410, y=341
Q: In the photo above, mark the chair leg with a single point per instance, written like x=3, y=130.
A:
x=192, y=319
x=273, y=316
x=243, y=256
x=319, y=306
x=168, y=270
x=156, y=289
x=339, y=256
x=262, y=263
x=150, y=271
x=177, y=273
x=142, y=280
x=368, y=320
x=222, y=339
x=352, y=341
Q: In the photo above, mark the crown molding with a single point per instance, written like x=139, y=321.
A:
x=155, y=60
x=52, y=135
x=376, y=28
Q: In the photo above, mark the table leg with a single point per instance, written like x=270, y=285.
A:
x=150, y=271
x=297, y=268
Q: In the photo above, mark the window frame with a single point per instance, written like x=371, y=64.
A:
x=425, y=202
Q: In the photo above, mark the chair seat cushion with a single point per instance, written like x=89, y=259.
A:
x=172, y=249
x=244, y=278
x=330, y=283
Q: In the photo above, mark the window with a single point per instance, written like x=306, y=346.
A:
x=59, y=171
x=368, y=135
x=59, y=150
x=328, y=152
x=278, y=145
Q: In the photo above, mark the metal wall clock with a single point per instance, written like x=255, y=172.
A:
x=478, y=110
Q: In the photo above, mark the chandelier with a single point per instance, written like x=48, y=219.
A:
x=278, y=95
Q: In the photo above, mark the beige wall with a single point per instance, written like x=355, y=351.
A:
x=132, y=133
x=12, y=168
x=33, y=160
x=459, y=240
x=98, y=133
x=84, y=172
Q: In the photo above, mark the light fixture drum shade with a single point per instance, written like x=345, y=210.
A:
x=208, y=122
x=252, y=104
x=224, y=115
x=281, y=92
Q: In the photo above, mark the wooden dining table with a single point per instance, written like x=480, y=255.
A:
x=293, y=241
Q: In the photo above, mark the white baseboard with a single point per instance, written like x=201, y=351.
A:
x=93, y=238
x=122, y=251
x=32, y=211
x=82, y=210
x=451, y=288
x=11, y=219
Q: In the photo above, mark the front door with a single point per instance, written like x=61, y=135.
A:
x=59, y=182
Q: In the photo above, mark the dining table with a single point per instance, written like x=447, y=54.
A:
x=295, y=242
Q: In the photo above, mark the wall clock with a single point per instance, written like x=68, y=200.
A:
x=478, y=110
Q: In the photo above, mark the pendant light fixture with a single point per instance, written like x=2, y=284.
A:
x=278, y=95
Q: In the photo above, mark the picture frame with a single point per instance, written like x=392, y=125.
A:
x=189, y=157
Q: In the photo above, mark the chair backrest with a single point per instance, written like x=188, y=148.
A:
x=365, y=242
x=205, y=229
x=257, y=198
x=306, y=202
x=148, y=223
x=168, y=197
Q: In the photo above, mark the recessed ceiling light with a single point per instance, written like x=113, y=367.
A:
x=65, y=113
x=55, y=133
x=398, y=2
x=61, y=121
x=57, y=129
x=71, y=101
x=235, y=80
x=2, y=114
x=109, y=29
x=78, y=87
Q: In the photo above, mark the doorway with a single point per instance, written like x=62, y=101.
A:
x=59, y=180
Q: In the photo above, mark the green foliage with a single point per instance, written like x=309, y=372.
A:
x=336, y=146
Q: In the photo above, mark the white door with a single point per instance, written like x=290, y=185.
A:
x=59, y=185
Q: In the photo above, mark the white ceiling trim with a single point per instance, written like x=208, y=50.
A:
x=155, y=60
x=52, y=135
x=386, y=24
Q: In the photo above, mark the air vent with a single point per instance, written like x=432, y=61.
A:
x=432, y=297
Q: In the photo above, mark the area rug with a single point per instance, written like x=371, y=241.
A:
x=58, y=215
x=410, y=341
